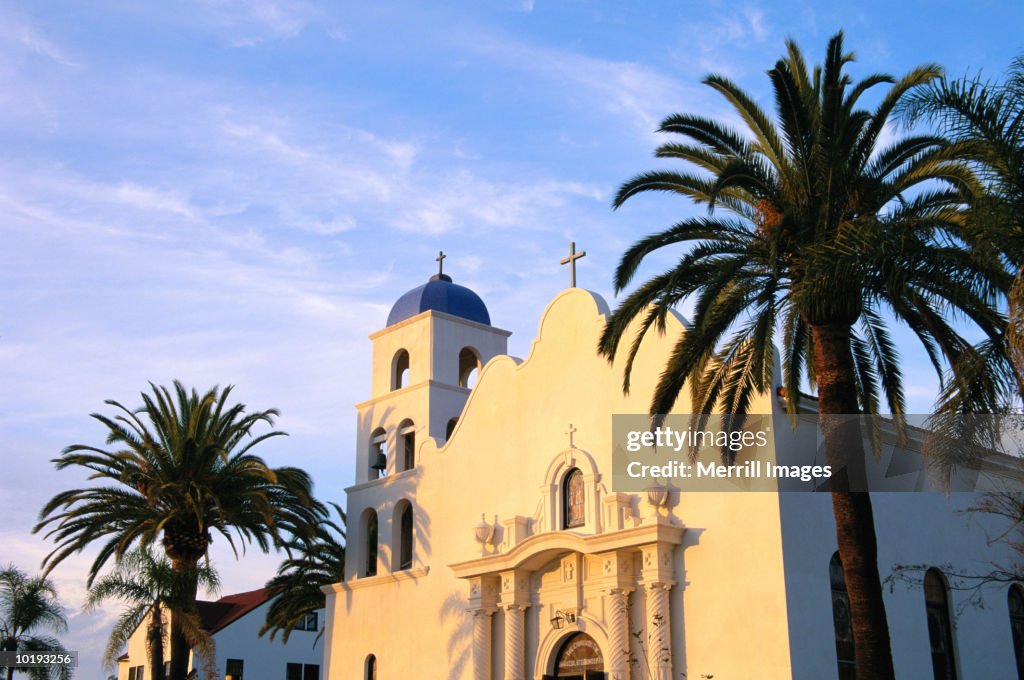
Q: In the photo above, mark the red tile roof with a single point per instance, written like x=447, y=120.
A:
x=230, y=608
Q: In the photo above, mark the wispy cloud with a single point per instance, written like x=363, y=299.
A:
x=637, y=92
x=21, y=34
x=257, y=21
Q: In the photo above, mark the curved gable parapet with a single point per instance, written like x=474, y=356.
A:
x=567, y=334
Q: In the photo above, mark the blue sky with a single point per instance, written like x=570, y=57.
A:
x=235, y=193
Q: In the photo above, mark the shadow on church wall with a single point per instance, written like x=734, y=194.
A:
x=460, y=643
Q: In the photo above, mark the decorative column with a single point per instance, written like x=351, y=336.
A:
x=657, y=580
x=483, y=595
x=482, y=643
x=659, y=635
x=617, y=578
x=618, y=634
x=515, y=641
x=515, y=598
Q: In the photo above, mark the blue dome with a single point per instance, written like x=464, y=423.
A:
x=441, y=295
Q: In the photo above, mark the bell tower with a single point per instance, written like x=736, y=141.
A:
x=425, y=360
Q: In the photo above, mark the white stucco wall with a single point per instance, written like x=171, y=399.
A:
x=265, y=660
x=918, y=528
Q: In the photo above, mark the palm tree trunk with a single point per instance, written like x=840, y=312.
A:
x=155, y=640
x=10, y=644
x=855, y=525
x=180, y=643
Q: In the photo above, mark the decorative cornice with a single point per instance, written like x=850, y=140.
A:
x=384, y=481
x=441, y=315
x=373, y=581
x=633, y=537
x=424, y=384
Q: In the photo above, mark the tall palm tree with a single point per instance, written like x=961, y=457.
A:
x=29, y=605
x=313, y=562
x=986, y=119
x=181, y=469
x=825, y=233
x=150, y=587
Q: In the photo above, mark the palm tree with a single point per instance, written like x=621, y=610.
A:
x=826, y=233
x=150, y=587
x=29, y=605
x=181, y=470
x=986, y=119
x=313, y=561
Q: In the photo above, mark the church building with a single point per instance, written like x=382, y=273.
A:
x=486, y=542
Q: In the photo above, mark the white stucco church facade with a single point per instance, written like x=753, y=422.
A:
x=485, y=541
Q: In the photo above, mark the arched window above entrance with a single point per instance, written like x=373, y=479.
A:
x=574, y=511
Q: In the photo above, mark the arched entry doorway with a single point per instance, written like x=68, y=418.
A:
x=579, y=658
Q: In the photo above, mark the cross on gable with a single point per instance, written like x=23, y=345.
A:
x=571, y=261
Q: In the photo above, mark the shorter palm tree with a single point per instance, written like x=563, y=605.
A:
x=179, y=470
x=29, y=606
x=313, y=561
x=149, y=586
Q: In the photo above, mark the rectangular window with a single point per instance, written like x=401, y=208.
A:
x=310, y=622
x=234, y=669
x=298, y=671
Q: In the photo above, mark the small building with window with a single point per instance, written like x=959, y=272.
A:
x=233, y=622
x=486, y=540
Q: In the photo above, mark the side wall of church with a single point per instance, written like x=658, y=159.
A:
x=913, y=529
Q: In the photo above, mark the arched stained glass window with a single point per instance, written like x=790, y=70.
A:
x=573, y=500
x=1015, y=598
x=940, y=629
x=841, y=620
